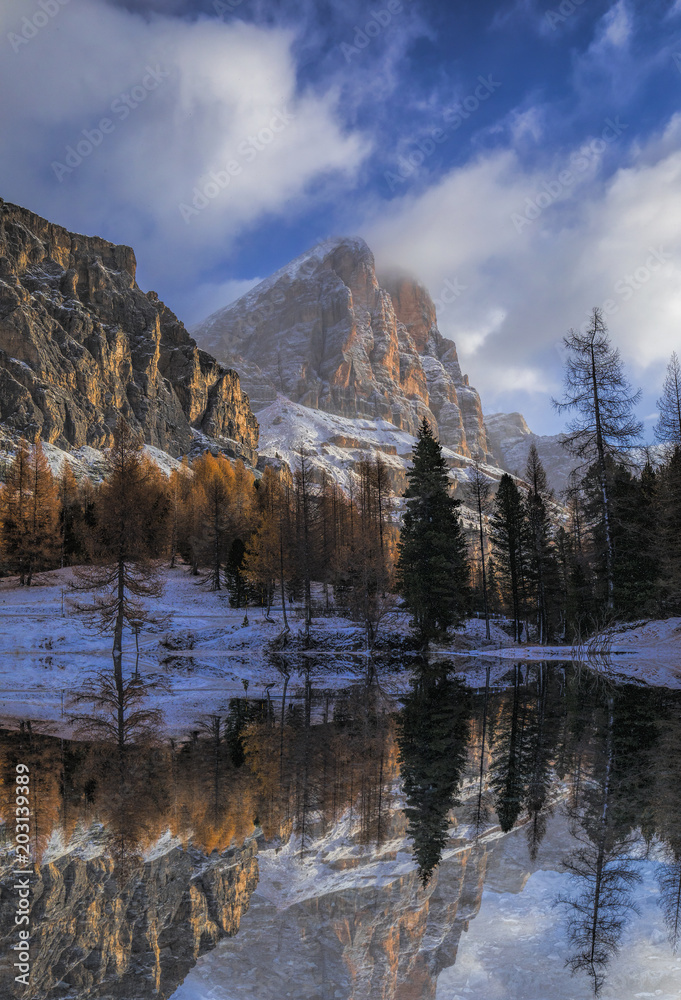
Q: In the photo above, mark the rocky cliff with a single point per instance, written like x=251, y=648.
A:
x=81, y=344
x=325, y=333
x=130, y=930
x=510, y=439
x=353, y=922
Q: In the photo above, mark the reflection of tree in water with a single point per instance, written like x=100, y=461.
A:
x=508, y=775
x=601, y=868
x=433, y=732
x=667, y=819
x=669, y=882
x=542, y=737
x=123, y=735
x=45, y=759
x=301, y=764
x=481, y=812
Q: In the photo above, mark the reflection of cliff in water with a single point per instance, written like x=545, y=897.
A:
x=380, y=818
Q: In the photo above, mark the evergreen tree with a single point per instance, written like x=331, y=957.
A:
x=433, y=731
x=635, y=539
x=71, y=517
x=668, y=524
x=264, y=555
x=306, y=544
x=479, y=490
x=668, y=427
x=432, y=566
x=541, y=568
x=506, y=528
x=235, y=576
x=214, y=484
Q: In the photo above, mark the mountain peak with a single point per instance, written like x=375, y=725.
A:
x=324, y=332
x=82, y=345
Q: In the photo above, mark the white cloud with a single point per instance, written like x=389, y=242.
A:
x=208, y=297
x=616, y=26
x=616, y=241
x=230, y=94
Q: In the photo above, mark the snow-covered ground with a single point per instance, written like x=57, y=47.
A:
x=649, y=652
x=334, y=444
x=207, y=653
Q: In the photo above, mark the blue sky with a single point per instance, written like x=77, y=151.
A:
x=526, y=153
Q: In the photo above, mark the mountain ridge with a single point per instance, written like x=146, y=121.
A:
x=325, y=333
x=81, y=345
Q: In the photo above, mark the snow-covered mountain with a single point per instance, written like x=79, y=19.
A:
x=324, y=333
x=510, y=439
x=334, y=445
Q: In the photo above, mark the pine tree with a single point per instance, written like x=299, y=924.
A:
x=668, y=542
x=668, y=427
x=235, y=576
x=264, y=556
x=306, y=539
x=506, y=528
x=432, y=567
x=479, y=490
x=433, y=732
x=541, y=568
x=597, y=388
x=214, y=483
x=71, y=517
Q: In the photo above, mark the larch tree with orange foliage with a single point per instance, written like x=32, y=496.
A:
x=131, y=513
x=214, y=483
x=29, y=514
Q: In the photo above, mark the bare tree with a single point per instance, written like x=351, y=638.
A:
x=130, y=512
x=668, y=427
x=669, y=881
x=598, y=390
x=602, y=871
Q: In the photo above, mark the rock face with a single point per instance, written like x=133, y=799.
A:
x=510, y=439
x=99, y=931
x=81, y=344
x=363, y=927
x=325, y=333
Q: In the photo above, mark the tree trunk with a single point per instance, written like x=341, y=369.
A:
x=603, y=481
x=484, y=578
x=118, y=658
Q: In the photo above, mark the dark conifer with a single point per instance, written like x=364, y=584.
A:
x=432, y=567
x=433, y=733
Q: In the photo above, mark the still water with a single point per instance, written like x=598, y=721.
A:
x=519, y=840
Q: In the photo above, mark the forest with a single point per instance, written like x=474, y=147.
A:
x=557, y=568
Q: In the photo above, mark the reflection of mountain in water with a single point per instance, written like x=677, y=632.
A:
x=341, y=910
x=107, y=928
